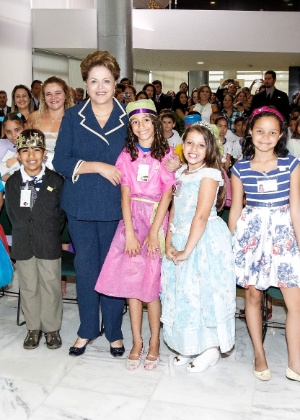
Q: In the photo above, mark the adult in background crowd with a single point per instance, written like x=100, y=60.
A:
x=21, y=100
x=229, y=112
x=4, y=109
x=204, y=107
x=180, y=108
x=184, y=88
x=171, y=93
x=271, y=96
x=162, y=101
x=229, y=86
x=79, y=95
x=36, y=87
x=119, y=90
x=149, y=88
x=125, y=81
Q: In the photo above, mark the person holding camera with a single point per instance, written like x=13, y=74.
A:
x=129, y=94
x=295, y=100
x=241, y=104
x=231, y=86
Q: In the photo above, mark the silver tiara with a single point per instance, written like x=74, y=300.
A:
x=204, y=124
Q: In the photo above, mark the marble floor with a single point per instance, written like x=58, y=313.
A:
x=47, y=384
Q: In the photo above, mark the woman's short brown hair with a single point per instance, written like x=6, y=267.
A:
x=99, y=58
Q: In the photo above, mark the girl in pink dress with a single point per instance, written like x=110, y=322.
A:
x=133, y=265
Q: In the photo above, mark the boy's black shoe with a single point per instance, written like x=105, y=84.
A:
x=53, y=340
x=32, y=339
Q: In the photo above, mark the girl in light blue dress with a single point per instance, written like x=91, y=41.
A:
x=198, y=279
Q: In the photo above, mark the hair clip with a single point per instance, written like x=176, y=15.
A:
x=1, y=119
x=258, y=111
x=19, y=115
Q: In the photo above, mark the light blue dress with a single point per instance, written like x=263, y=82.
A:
x=198, y=295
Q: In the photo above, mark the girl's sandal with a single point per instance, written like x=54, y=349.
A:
x=152, y=362
x=133, y=364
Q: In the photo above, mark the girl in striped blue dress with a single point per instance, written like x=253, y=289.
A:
x=267, y=231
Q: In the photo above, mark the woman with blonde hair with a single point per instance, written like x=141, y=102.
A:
x=56, y=97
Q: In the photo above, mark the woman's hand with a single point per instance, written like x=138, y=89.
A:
x=173, y=163
x=132, y=245
x=153, y=244
x=110, y=172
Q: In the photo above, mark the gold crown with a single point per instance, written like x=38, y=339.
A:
x=35, y=140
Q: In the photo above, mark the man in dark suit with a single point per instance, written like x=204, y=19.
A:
x=36, y=87
x=4, y=109
x=162, y=100
x=272, y=96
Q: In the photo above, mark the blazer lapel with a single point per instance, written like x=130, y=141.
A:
x=117, y=120
x=90, y=123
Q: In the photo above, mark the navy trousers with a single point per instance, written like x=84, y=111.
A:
x=91, y=240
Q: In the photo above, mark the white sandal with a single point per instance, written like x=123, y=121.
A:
x=208, y=358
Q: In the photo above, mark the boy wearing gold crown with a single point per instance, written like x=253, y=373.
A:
x=32, y=197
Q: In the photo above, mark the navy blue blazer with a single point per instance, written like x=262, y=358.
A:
x=80, y=137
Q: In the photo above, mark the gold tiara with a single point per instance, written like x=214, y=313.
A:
x=35, y=140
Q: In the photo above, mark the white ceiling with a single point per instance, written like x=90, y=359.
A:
x=165, y=60
x=186, y=60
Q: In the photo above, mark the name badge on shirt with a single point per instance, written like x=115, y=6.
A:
x=267, y=185
x=143, y=172
x=25, y=198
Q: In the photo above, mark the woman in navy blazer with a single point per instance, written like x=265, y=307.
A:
x=91, y=137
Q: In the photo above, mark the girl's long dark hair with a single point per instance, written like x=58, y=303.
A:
x=213, y=158
x=177, y=104
x=280, y=149
x=159, y=146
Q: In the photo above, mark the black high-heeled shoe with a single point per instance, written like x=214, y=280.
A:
x=78, y=351
x=117, y=351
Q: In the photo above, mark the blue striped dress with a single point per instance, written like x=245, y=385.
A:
x=264, y=242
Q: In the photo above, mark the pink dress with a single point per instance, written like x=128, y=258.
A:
x=137, y=277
